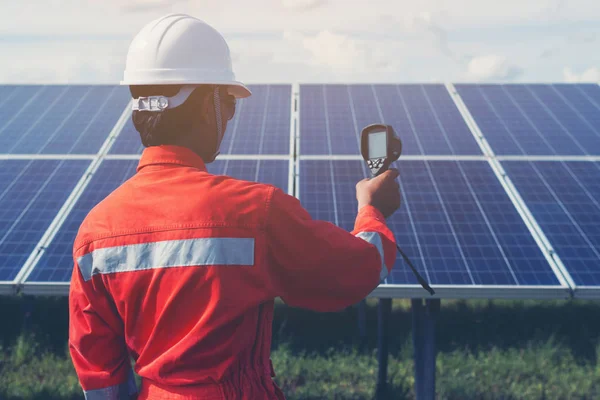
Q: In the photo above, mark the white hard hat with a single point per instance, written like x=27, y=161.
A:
x=178, y=49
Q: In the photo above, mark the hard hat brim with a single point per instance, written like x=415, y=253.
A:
x=237, y=89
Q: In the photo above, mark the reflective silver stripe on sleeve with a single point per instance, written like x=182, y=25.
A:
x=124, y=391
x=375, y=239
x=169, y=253
x=117, y=392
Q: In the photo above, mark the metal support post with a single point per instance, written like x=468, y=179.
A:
x=423, y=330
x=384, y=309
x=362, y=323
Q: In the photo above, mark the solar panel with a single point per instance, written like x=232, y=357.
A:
x=425, y=117
x=534, y=119
x=456, y=223
x=59, y=119
x=261, y=125
x=564, y=198
x=56, y=264
x=31, y=194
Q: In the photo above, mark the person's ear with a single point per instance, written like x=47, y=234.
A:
x=207, y=108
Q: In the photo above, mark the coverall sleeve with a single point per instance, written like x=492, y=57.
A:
x=319, y=266
x=96, y=341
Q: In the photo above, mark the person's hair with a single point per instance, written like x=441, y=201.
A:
x=166, y=127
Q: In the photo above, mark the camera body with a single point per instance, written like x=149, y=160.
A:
x=380, y=147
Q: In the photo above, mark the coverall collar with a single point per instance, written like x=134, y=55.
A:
x=168, y=154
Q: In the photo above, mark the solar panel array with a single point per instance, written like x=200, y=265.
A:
x=500, y=183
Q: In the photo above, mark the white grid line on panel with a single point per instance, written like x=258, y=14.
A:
x=294, y=122
x=398, y=291
x=333, y=192
x=253, y=157
x=47, y=156
x=473, y=292
x=548, y=158
x=297, y=148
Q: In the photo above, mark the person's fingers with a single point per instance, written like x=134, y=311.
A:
x=391, y=173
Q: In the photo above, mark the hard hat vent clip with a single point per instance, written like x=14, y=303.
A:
x=152, y=103
x=162, y=103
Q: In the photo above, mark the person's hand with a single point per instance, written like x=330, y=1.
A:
x=381, y=192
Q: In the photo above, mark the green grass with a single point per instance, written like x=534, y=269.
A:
x=487, y=350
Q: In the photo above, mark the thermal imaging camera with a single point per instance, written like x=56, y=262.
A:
x=380, y=147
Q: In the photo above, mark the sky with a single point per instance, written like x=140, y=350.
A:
x=320, y=41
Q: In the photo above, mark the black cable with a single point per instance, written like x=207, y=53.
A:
x=421, y=280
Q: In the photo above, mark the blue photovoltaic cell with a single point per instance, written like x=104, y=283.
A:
x=424, y=116
x=59, y=119
x=261, y=125
x=456, y=222
x=31, y=194
x=56, y=264
x=564, y=198
x=536, y=119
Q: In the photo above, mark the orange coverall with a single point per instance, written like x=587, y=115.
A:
x=178, y=269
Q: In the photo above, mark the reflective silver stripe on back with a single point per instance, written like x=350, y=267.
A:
x=166, y=254
x=375, y=239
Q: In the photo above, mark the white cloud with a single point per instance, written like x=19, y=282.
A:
x=589, y=75
x=342, y=52
x=326, y=40
x=332, y=49
x=150, y=5
x=302, y=5
x=71, y=62
x=492, y=67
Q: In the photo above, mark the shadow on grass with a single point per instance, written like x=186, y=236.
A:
x=474, y=325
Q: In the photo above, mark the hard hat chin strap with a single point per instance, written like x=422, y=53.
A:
x=219, y=121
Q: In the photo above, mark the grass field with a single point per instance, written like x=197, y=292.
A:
x=487, y=350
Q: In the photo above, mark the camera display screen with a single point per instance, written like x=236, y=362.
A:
x=377, y=145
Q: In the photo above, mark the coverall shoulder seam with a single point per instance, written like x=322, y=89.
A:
x=268, y=203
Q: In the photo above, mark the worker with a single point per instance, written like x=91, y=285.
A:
x=176, y=271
